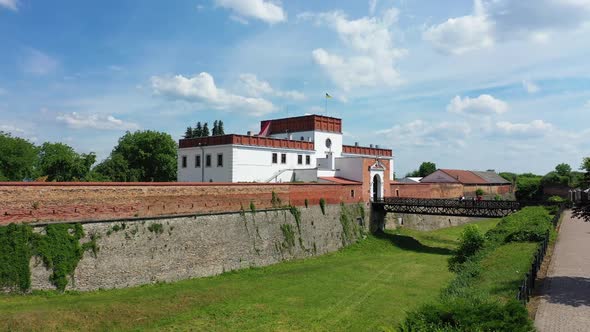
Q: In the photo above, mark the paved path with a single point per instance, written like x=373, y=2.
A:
x=565, y=303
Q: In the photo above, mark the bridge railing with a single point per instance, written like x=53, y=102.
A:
x=451, y=203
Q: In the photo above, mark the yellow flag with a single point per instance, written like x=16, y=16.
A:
x=328, y=96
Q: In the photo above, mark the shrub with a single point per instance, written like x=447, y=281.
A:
x=15, y=254
x=306, y=203
x=479, y=192
x=497, y=197
x=470, y=242
x=252, y=207
x=528, y=225
x=275, y=200
x=555, y=199
x=469, y=314
x=156, y=228
x=323, y=205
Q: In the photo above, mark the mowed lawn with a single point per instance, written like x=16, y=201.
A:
x=364, y=287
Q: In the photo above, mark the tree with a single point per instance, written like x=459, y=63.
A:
x=18, y=158
x=427, y=168
x=189, y=132
x=215, y=128
x=508, y=176
x=142, y=156
x=563, y=169
x=220, y=130
x=198, y=131
x=554, y=178
x=59, y=162
x=528, y=187
x=205, y=131
x=582, y=209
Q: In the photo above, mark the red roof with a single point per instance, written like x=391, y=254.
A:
x=338, y=180
x=301, y=123
x=465, y=177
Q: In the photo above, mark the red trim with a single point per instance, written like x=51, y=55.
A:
x=245, y=140
x=302, y=123
x=361, y=150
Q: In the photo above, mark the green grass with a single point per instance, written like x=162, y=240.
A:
x=446, y=237
x=364, y=287
x=504, y=268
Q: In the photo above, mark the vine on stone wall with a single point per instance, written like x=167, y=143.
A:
x=15, y=254
x=60, y=250
x=323, y=206
x=289, y=236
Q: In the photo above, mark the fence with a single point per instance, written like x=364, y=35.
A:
x=525, y=290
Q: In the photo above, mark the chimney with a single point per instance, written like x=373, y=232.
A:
x=370, y=145
x=356, y=143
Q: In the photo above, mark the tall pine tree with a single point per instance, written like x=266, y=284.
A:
x=220, y=130
x=198, y=131
x=215, y=128
x=205, y=131
x=189, y=132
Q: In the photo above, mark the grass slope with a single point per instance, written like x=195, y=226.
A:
x=366, y=286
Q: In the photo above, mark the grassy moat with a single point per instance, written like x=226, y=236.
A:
x=365, y=287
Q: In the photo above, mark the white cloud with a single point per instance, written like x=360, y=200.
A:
x=202, y=89
x=10, y=4
x=424, y=134
x=263, y=10
x=372, y=6
x=11, y=129
x=530, y=86
x=484, y=104
x=533, y=128
x=255, y=87
x=370, y=41
x=495, y=21
x=95, y=121
x=462, y=34
x=38, y=63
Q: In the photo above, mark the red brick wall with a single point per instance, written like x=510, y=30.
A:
x=30, y=202
x=444, y=190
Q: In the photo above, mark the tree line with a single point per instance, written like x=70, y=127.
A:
x=139, y=156
x=203, y=130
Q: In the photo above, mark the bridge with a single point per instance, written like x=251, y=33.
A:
x=447, y=207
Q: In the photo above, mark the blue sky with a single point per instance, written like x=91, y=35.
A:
x=493, y=84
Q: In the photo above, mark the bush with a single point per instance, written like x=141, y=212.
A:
x=555, y=199
x=528, y=225
x=469, y=314
x=479, y=192
x=470, y=242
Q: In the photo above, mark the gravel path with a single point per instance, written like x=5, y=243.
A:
x=565, y=299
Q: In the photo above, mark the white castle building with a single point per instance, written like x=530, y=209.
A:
x=298, y=149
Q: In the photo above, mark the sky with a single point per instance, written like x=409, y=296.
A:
x=486, y=84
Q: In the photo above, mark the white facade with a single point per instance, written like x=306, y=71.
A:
x=276, y=157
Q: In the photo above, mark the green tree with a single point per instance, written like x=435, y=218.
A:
x=142, y=156
x=563, y=169
x=18, y=158
x=198, y=130
x=554, y=178
x=528, y=187
x=189, y=132
x=205, y=131
x=582, y=209
x=59, y=162
x=508, y=176
x=215, y=128
x=427, y=168
x=220, y=130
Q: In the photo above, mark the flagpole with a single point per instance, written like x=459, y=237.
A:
x=326, y=107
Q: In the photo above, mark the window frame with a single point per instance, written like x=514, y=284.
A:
x=220, y=161
x=308, y=160
x=299, y=159
x=208, y=160
x=184, y=161
x=198, y=161
x=283, y=158
x=275, y=158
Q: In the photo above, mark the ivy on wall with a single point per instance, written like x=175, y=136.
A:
x=15, y=254
x=59, y=248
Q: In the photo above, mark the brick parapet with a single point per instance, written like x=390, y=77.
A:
x=47, y=202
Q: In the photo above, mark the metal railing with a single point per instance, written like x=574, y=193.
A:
x=525, y=290
x=452, y=207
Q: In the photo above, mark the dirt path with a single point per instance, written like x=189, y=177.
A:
x=565, y=298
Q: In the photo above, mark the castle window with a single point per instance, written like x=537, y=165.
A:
x=275, y=158
x=299, y=159
x=220, y=160
x=197, y=161
x=283, y=158
x=352, y=193
x=183, y=161
x=208, y=160
x=307, y=160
